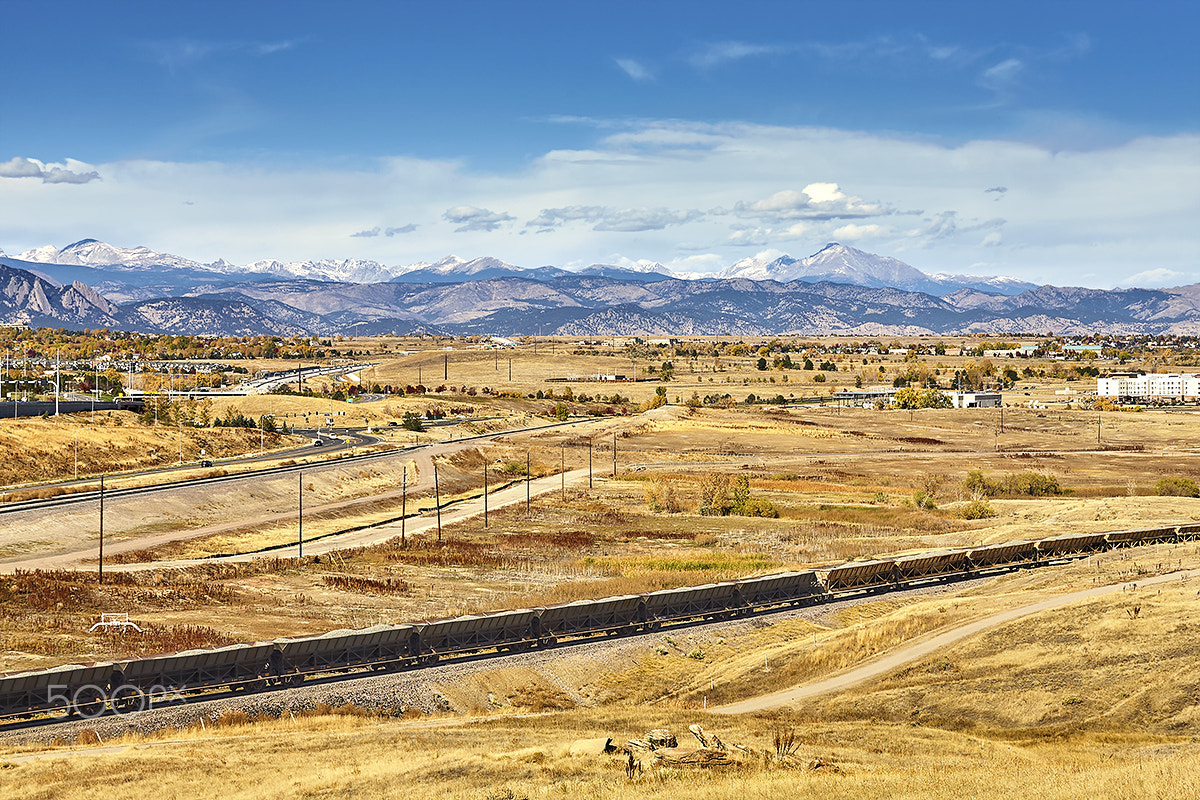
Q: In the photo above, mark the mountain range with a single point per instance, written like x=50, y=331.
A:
x=837, y=290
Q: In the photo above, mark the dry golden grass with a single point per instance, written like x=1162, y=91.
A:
x=38, y=449
x=351, y=756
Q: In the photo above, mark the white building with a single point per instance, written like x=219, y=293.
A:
x=975, y=399
x=1155, y=386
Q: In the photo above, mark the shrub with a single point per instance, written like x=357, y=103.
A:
x=1177, y=487
x=660, y=496
x=923, y=499
x=977, y=509
x=1033, y=484
x=757, y=507
x=714, y=495
x=513, y=468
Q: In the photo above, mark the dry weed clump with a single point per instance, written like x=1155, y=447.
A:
x=53, y=590
x=357, y=583
x=538, y=697
x=153, y=639
x=424, y=552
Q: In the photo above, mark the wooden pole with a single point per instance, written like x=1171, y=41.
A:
x=562, y=472
x=300, y=516
x=437, y=499
x=589, y=463
x=100, y=577
x=526, y=483
x=403, y=504
x=485, y=493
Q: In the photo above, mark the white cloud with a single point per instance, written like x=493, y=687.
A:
x=1066, y=214
x=718, y=53
x=815, y=201
x=470, y=218
x=72, y=172
x=179, y=53
x=1003, y=75
x=612, y=219
x=1158, y=278
x=853, y=232
x=634, y=69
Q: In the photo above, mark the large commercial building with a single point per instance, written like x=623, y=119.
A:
x=1132, y=386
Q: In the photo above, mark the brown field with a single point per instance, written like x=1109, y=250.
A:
x=1086, y=701
x=1054, y=706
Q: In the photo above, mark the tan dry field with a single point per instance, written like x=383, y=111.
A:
x=1080, y=702
x=842, y=482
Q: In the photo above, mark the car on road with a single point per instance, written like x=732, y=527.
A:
x=206, y=463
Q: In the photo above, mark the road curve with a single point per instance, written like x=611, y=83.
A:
x=925, y=647
x=423, y=457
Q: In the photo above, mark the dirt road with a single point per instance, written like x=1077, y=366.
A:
x=69, y=555
x=924, y=647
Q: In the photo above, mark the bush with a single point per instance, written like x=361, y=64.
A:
x=923, y=499
x=660, y=497
x=756, y=507
x=714, y=495
x=1032, y=484
x=977, y=509
x=412, y=422
x=1177, y=487
x=1027, y=484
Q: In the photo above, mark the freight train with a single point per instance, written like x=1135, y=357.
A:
x=122, y=687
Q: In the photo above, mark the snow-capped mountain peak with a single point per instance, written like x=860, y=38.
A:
x=839, y=263
x=93, y=253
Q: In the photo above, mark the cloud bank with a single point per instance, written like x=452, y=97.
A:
x=687, y=195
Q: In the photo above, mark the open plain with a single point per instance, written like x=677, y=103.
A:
x=1097, y=697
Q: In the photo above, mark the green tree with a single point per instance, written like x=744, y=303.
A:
x=1177, y=487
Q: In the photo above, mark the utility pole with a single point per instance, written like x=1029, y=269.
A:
x=485, y=492
x=589, y=463
x=100, y=576
x=527, y=483
x=510, y=370
x=445, y=367
x=403, y=505
x=57, y=375
x=614, y=454
x=300, y=516
x=437, y=495
x=562, y=471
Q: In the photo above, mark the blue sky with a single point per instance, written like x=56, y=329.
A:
x=1052, y=141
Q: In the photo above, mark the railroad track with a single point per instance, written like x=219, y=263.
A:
x=123, y=687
